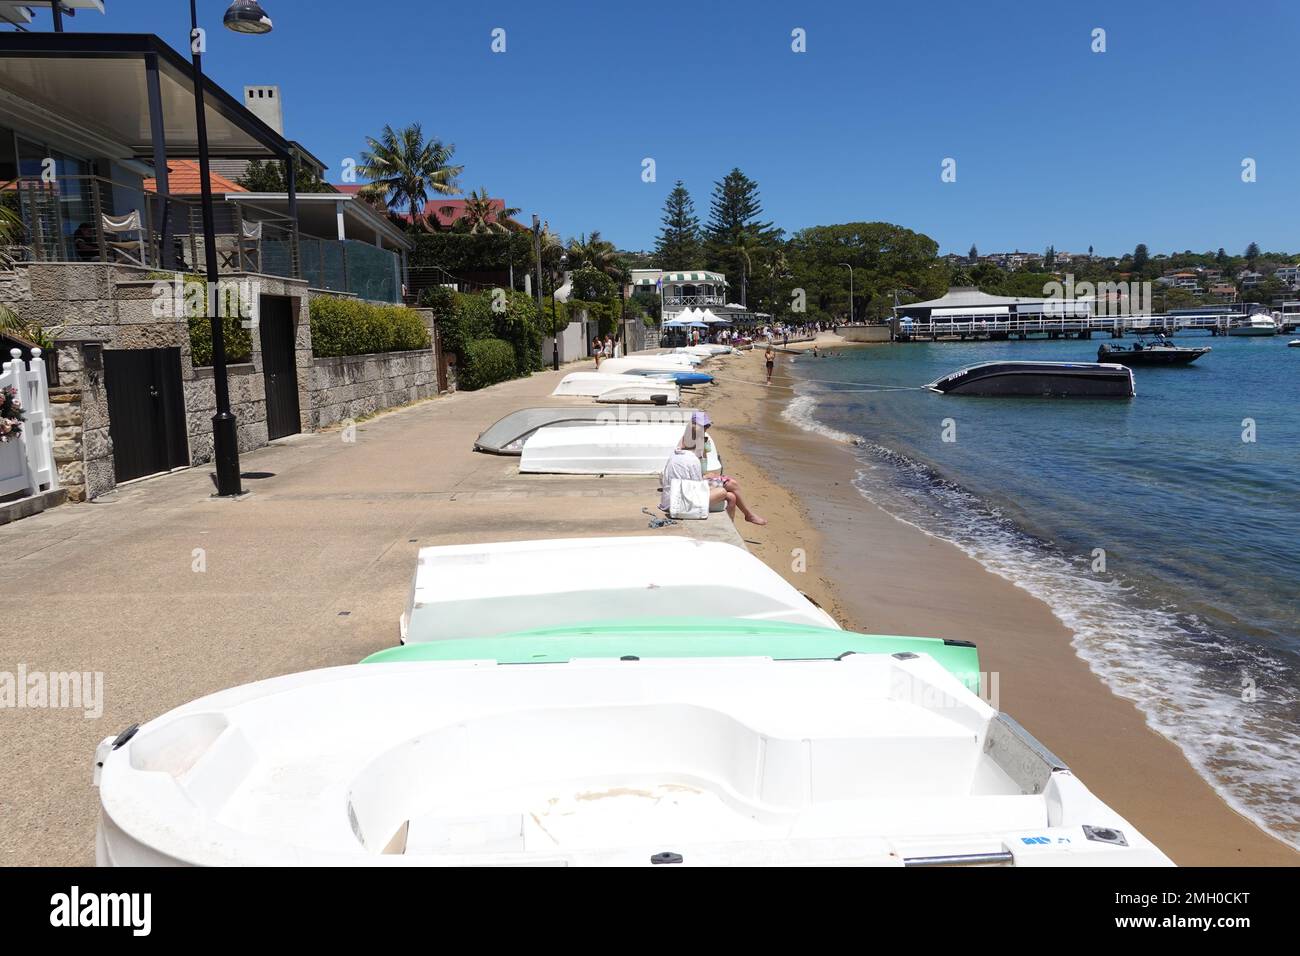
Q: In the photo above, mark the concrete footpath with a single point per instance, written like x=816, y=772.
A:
x=173, y=595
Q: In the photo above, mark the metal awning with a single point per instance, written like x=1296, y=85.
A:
x=93, y=89
x=714, y=277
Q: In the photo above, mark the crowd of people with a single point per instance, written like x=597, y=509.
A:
x=696, y=459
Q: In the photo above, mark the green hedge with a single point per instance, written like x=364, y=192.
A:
x=350, y=327
x=238, y=340
x=485, y=362
x=465, y=318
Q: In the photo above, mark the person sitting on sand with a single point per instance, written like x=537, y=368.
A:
x=769, y=357
x=713, y=470
x=684, y=465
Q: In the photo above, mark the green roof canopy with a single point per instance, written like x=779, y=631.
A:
x=695, y=277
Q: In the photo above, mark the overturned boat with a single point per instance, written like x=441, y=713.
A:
x=611, y=387
x=655, y=366
x=703, y=742
x=473, y=590
x=1157, y=352
x=507, y=436
x=1039, y=379
x=599, y=449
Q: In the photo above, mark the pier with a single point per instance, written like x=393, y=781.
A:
x=1004, y=327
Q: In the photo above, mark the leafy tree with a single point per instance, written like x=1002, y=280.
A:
x=403, y=168
x=1252, y=253
x=1141, y=257
x=678, y=246
x=268, y=177
x=1221, y=257
x=592, y=285
x=1049, y=258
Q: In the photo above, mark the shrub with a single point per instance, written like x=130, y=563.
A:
x=237, y=339
x=349, y=327
x=485, y=362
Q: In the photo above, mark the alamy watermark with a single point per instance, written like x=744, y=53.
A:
x=1096, y=298
x=53, y=690
x=187, y=297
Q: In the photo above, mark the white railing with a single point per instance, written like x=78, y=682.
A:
x=27, y=462
x=694, y=300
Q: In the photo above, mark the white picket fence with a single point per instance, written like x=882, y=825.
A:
x=27, y=464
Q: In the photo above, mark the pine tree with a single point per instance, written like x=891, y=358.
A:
x=735, y=229
x=1252, y=252
x=678, y=246
x=1140, y=257
x=974, y=253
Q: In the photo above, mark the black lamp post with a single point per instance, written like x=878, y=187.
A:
x=244, y=16
x=555, y=328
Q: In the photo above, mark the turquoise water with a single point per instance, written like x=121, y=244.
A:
x=1166, y=542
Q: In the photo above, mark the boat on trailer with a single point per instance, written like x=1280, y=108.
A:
x=585, y=448
x=1039, y=379
x=474, y=590
x=1156, y=352
x=507, y=436
x=776, y=744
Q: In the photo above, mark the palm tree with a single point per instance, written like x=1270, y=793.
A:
x=596, y=253
x=403, y=167
x=481, y=216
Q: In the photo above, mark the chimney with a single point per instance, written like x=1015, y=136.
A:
x=264, y=102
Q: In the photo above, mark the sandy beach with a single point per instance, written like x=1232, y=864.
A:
x=909, y=582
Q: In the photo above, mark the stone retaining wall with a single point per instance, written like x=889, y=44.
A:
x=350, y=386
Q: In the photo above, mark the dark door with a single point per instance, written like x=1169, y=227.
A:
x=279, y=369
x=146, y=411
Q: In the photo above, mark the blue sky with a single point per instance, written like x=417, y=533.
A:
x=1053, y=143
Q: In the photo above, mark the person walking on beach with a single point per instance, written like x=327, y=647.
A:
x=769, y=356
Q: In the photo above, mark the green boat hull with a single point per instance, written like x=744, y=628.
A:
x=685, y=637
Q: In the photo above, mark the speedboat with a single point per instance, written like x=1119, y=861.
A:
x=1158, y=352
x=1293, y=344
x=600, y=449
x=507, y=436
x=1258, y=324
x=595, y=384
x=1039, y=379
x=641, y=743
x=472, y=591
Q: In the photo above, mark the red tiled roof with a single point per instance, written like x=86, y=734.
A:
x=433, y=208
x=183, y=180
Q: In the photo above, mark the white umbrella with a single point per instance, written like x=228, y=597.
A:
x=712, y=319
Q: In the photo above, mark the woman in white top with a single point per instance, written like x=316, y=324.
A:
x=684, y=465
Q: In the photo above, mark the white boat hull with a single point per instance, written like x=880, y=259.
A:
x=611, y=387
x=870, y=759
x=601, y=449
x=480, y=590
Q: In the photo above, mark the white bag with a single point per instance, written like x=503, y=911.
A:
x=688, y=498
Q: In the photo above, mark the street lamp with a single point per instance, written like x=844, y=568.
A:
x=555, y=329
x=243, y=16
x=850, y=268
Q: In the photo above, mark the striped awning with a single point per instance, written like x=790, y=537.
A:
x=696, y=277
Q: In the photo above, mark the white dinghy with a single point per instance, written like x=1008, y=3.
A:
x=600, y=449
x=476, y=590
x=651, y=391
x=598, y=384
x=869, y=759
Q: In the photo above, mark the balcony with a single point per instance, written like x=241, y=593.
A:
x=694, y=300
x=86, y=219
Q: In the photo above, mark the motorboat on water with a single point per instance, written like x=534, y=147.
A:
x=613, y=387
x=1258, y=324
x=1158, y=351
x=1293, y=344
x=476, y=590
x=600, y=449
x=507, y=436
x=1039, y=379
x=705, y=742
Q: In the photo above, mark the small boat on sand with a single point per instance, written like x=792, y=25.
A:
x=507, y=436
x=704, y=742
x=618, y=388
x=474, y=590
x=1158, y=351
x=1038, y=379
x=584, y=448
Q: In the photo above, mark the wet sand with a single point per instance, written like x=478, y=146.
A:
x=877, y=574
